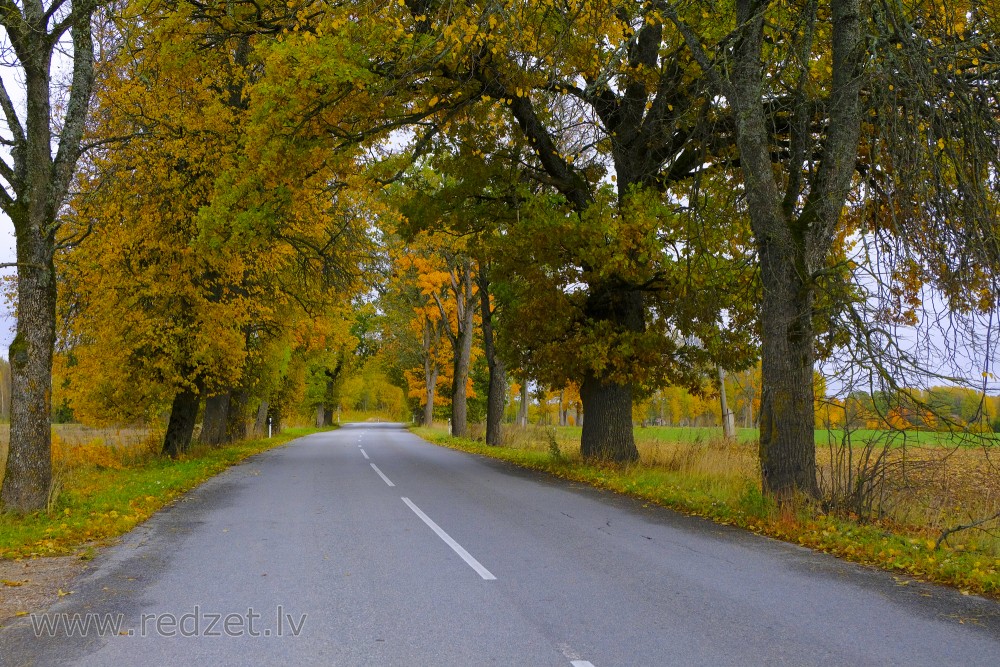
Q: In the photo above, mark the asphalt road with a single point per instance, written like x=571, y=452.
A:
x=368, y=546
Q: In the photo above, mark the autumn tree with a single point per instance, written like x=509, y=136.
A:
x=151, y=301
x=44, y=148
x=591, y=94
x=820, y=64
x=213, y=253
x=461, y=289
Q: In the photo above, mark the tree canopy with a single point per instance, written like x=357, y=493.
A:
x=609, y=201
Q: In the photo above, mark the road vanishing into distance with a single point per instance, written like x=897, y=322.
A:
x=369, y=546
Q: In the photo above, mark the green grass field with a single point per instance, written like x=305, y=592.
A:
x=696, y=434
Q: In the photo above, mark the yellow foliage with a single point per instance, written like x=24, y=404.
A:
x=93, y=454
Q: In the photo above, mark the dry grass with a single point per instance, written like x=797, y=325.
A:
x=74, y=444
x=707, y=457
x=924, y=489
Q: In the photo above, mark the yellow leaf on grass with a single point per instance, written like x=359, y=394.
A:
x=12, y=584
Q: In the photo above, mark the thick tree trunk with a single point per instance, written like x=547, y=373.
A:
x=496, y=396
x=461, y=339
x=29, y=461
x=522, y=409
x=496, y=401
x=430, y=378
x=459, y=390
x=787, y=419
x=180, y=428
x=330, y=402
x=213, y=424
x=260, y=424
x=607, y=431
x=236, y=419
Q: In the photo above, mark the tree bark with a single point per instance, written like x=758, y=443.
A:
x=787, y=409
x=236, y=419
x=28, y=476
x=459, y=390
x=213, y=424
x=180, y=428
x=496, y=396
x=329, y=402
x=728, y=422
x=430, y=379
x=431, y=338
x=607, y=431
x=522, y=409
x=260, y=424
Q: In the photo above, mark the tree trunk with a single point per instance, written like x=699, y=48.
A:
x=236, y=420
x=496, y=396
x=213, y=424
x=793, y=238
x=459, y=390
x=29, y=460
x=728, y=421
x=563, y=409
x=496, y=401
x=260, y=424
x=607, y=431
x=430, y=377
x=180, y=428
x=522, y=410
x=787, y=409
x=329, y=403
x=461, y=340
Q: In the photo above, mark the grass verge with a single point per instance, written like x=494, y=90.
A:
x=707, y=488
x=105, y=496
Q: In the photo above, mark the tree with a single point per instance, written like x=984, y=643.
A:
x=812, y=62
x=496, y=397
x=590, y=96
x=156, y=297
x=217, y=258
x=35, y=186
